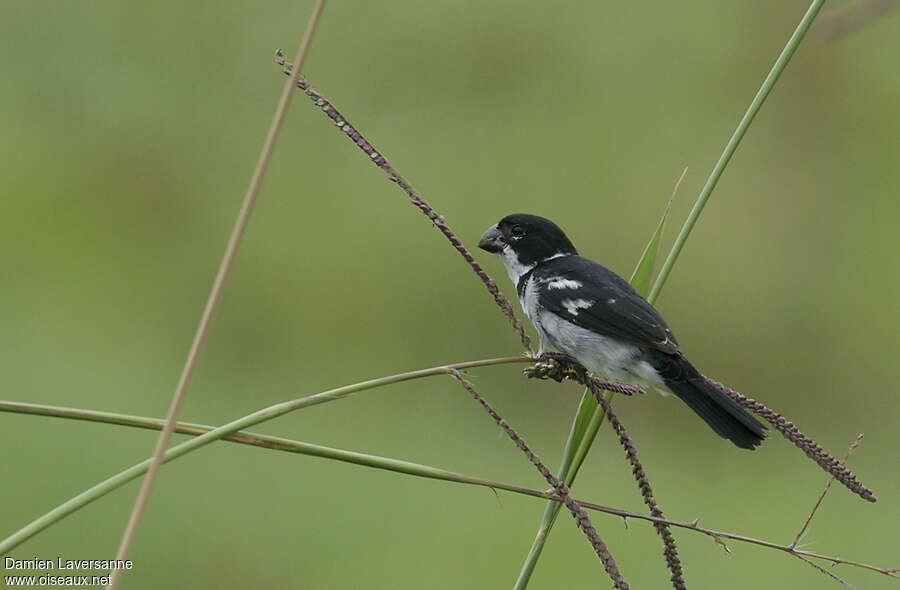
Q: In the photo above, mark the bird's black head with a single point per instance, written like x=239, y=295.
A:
x=532, y=238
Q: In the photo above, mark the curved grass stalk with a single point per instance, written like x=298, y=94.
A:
x=268, y=413
x=410, y=468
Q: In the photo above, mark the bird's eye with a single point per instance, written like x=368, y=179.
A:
x=517, y=231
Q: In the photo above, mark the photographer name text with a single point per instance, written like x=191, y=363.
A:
x=59, y=563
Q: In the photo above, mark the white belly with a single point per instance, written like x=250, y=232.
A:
x=602, y=355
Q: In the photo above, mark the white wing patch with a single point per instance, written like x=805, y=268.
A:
x=561, y=283
x=573, y=305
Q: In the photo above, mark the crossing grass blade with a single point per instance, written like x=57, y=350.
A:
x=590, y=415
x=580, y=445
x=643, y=272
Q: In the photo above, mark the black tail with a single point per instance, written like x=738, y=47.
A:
x=722, y=413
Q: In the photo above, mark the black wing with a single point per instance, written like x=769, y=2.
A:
x=603, y=302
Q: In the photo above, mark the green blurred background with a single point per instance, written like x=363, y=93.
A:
x=129, y=133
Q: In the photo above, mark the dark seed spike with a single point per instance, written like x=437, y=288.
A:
x=378, y=158
x=670, y=550
x=812, y=449
x=562, y=490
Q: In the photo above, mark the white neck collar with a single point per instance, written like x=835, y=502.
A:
x=516, y=269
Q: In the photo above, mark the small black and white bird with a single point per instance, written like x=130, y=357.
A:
x=586, y=311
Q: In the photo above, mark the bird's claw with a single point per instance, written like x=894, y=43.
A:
x=544, y=369
x=556, y=366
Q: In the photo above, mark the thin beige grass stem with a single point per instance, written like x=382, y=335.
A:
x=215, y=295
x=853, y=446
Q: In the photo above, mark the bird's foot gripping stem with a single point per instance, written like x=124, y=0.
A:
x=559, y=366
x=556, y=366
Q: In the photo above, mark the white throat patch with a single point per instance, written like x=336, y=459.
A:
x=514, y=268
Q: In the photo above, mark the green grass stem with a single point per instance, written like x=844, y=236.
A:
x=397, y=466
x=777, y=68
x=580, y=446
x=263, y=415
